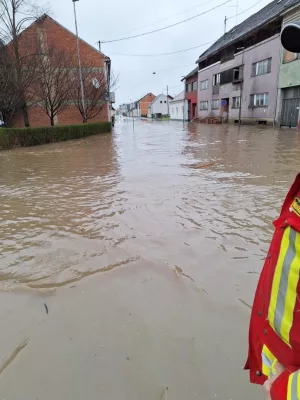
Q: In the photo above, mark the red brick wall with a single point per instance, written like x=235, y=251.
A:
x=192, y=97
x=59, y=37
x=145, y=103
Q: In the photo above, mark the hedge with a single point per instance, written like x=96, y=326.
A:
x=15, y=137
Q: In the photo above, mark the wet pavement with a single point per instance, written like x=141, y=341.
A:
x=145, y=246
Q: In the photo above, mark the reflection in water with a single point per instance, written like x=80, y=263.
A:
x=188, y=198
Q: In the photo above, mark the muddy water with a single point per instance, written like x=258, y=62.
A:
x=146, y=248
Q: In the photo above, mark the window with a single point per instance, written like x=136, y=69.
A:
x=195, y=85
x=161, y=102
x=259, y=100
x=165, y=102
x=237, y=74
x=288, y=56
x=204, y=84
x=203, y=105
x=215, y=104
x=261, y=67
x=236, y=102
x=216, y=79
x=188, y=87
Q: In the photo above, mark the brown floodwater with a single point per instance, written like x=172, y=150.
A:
x=145, y=246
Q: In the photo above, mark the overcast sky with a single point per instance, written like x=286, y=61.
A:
x=106, y=20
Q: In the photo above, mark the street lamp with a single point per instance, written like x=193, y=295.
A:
x=242, y=84
x=79, y=65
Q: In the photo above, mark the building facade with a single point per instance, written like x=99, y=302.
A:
x=243, y=86
x=179, y=108
x=289, y=79
x=144, y=103
x=54, y=35
x=239, y=75
x=160, y=106
x=191, y=94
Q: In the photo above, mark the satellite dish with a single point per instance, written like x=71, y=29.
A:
x=290, y=37
x=96, y=83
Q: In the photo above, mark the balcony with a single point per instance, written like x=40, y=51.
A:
x=216, y=89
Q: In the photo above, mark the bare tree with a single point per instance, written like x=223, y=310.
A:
x=95, y=91
x=15, y=15
x=56, y=76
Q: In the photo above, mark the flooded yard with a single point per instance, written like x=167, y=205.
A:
x=129, y=261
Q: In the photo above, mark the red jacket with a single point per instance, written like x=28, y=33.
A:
x=274, y=333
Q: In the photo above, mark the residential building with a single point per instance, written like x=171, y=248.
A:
x=238, y=74
x=289, y=78
x=144, y=103
x=191, y=93
x=124, y=109
x=179, y=108
x=51, y=35
x=160, y=106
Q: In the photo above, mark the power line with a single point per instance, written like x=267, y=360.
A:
x=163, y=54
x=242, y=12
x=169, y=17
x=166, y=27
x=168, y=69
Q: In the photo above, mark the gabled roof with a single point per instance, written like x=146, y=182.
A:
x=156, y=98
x=270, y=12
x=146, y=96
x=45, y=16
x=192, y=73
x=179, y=97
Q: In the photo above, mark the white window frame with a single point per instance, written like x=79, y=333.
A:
x=236, y=102
x=262, y=67
x=260, y=100
x=216, y=79
x=203, y=105
x=213, y=107
x=204, y=84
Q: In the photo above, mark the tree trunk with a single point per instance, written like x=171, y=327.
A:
x=52, y=120
x=25, y=115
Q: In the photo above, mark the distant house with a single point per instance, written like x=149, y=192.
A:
x=160, y=106
x=144, y=103
x=179, y=108
x=191, y=93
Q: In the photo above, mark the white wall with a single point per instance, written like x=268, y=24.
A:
x=160, y=105
x=176, y=110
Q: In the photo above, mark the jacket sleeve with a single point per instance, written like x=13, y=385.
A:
x=286, y=386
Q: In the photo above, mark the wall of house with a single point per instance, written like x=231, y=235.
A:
x=160, y=105
x=252, y=85
x=53, y=35
x=145, y=103
x=178, y=110
x=192, y=96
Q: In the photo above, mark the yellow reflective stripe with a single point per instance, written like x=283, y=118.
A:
x=291, y=294
x=277, y=276
x=268, y=362
x=289, y=391
x=293, y=392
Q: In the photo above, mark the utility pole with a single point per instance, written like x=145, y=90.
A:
x=242, y=85
x=79, y=65
x=168, y=100
x=99, y=44
x=225, y=24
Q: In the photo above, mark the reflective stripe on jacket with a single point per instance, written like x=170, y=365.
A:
x=274, y=333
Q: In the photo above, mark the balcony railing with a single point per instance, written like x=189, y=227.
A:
x=216, y=89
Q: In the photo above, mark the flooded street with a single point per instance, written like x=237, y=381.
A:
x=144, y=247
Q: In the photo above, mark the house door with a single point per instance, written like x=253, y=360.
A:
x=194, y=110
x=290, y=112
x=189, y=110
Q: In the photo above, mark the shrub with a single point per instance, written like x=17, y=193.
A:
x=15, y=137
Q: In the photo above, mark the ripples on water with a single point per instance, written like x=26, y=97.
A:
x=74, y=209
